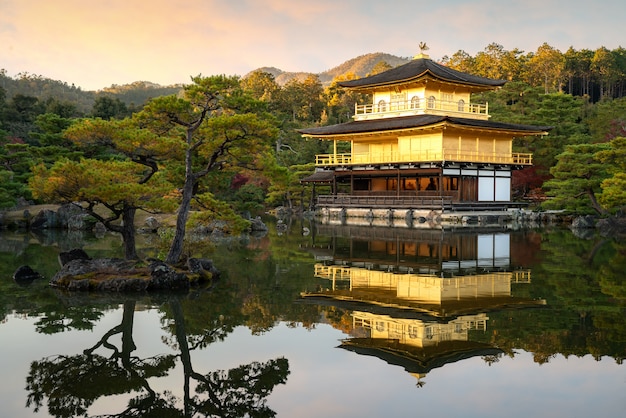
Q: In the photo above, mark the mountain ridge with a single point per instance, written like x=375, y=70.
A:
x=360, y=66
x=138, y=92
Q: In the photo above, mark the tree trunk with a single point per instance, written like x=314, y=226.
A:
x=594, y=202
x=128, y=233
x=185, y=354
x=176, y=249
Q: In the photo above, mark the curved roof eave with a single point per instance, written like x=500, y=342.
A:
x=404, y=123
x=416, y=69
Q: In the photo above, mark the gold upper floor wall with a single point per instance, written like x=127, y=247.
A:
x=425, y=98
x=451, y=145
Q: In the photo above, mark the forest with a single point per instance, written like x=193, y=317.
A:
x=48, y=127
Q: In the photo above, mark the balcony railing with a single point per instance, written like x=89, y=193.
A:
x=423, y=106
x=347, y=159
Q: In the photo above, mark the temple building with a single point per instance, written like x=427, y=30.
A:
x=421, y=144
x=419, y=298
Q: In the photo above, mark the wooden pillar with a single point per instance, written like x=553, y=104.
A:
x=351, y=182
x=441, y=182
x=398, y=184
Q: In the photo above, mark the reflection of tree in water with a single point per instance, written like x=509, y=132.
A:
x=583, y=284
x=72, y=384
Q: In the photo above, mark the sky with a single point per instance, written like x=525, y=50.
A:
x=94, y=44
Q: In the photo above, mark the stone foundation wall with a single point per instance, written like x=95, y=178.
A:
x=414, y=218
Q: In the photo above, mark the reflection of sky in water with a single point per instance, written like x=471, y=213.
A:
x=328, y=381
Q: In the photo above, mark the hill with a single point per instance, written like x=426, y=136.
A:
x=139, y=92
x=361, y=66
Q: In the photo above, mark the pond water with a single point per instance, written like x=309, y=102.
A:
x=340, y=321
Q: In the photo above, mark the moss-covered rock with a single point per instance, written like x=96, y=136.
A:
x=118, y=275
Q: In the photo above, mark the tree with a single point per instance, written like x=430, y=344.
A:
x=380, y=67
x=106, y=107
x=124, y=181
x=261, y=85
x=488, y=62
x=614, y=188
x=119, y=186
x=340, y=102
x=460, y=61
x=213, y=134
x=604, y=68
x=547, y=65
x=302, y=100
x=72, y=383
x=607, y=120
x=577, y=174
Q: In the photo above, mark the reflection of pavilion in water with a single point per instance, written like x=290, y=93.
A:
x=416, y=296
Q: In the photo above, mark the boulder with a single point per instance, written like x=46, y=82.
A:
x=203, y=267
x=257, y=224
x=99, y=229
x=164, y=277
x=45, y=219
x=81, y=222
x=25, y=274
x=152, y=224
x=80, y=269
x=66, y=212
x=584, y=222
x=612, y=226
x=74, y=254
x=118, y=275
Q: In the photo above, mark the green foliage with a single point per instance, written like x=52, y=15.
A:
x=210, y=209
x=613, y=194
x=107, y=108
x=50, y=127
x=578, y=176
x=607, y=120
x=215, y=134
x=287, y=190
x=590, y=176
x=249, y=198
x=261, y=85
x=136, y=94
x=109, y=183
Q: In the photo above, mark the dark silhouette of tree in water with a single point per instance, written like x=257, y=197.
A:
x=71, y=384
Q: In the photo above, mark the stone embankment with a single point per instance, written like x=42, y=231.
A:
x=412, y=218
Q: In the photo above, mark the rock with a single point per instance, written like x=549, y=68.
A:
x=75, y=269
x=257, y=224
x=469, y=220
x=99, y=229
x=584, y=222
x=203, y=267
x=25, y=274
x=74, y=254
x=117, y=275
x=81, y=222
x=612, y=226
x=152, y=223
x=164, y=277
x=45, y=219
x=66, y=212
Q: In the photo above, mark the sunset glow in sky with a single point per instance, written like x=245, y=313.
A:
x=94, y=43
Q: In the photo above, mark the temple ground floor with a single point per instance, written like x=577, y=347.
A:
x=416, y=195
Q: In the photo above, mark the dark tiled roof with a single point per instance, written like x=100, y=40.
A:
x=319, y=177
x=418, y=68
x=408, y=122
